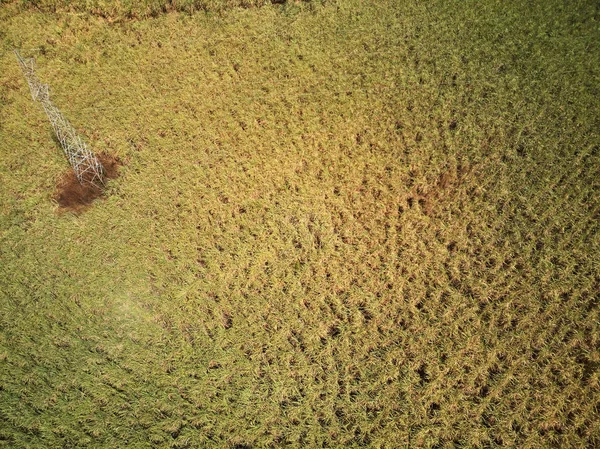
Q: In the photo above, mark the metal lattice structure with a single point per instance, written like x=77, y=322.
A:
x=86, y=165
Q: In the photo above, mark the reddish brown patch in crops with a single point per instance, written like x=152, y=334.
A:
x=428, y=197
x=75, y=197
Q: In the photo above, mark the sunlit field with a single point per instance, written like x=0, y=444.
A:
x=336, y=224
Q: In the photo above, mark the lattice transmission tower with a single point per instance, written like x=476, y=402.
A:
x=86, y=165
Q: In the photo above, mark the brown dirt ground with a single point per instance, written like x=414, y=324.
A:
x=75, y=197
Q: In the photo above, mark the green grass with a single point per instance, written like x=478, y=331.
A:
x=338, y=224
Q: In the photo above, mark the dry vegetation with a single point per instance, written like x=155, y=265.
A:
x=336, y=224
x=123, y=10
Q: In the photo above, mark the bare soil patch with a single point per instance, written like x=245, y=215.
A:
x=75, y=197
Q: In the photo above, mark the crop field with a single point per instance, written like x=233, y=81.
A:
x=336, y=223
